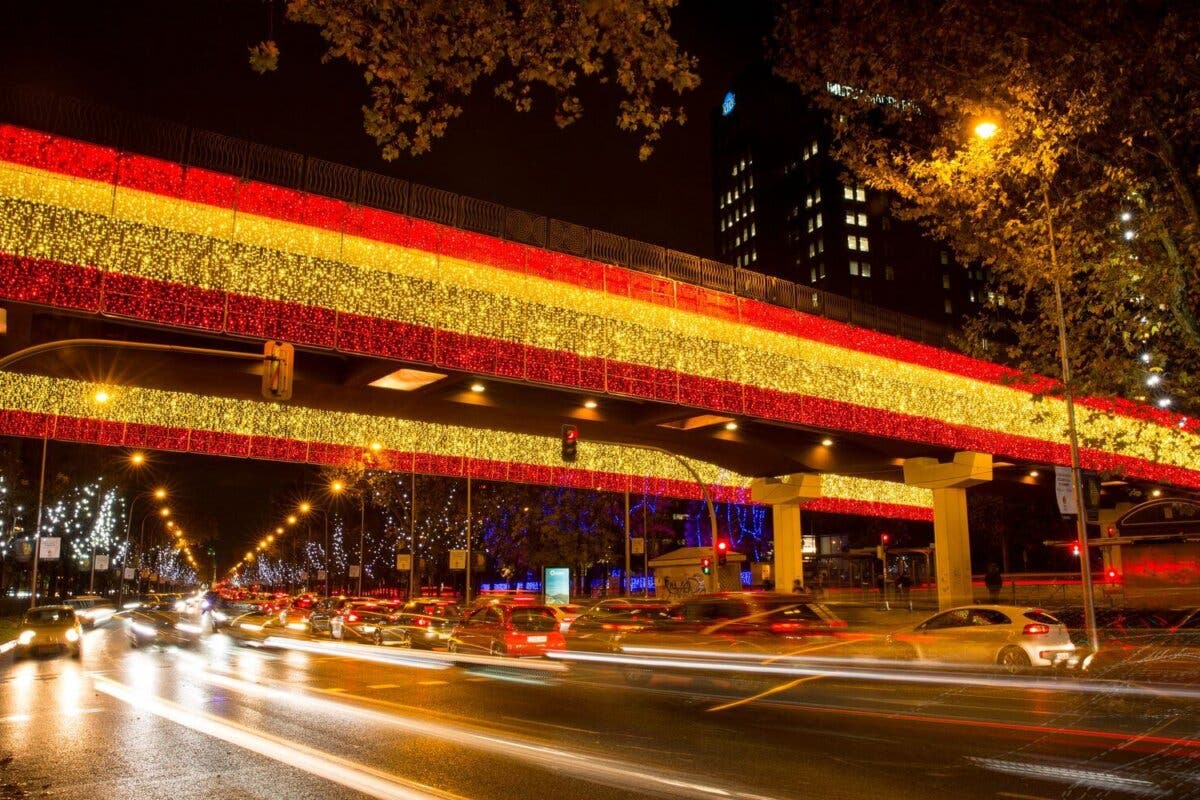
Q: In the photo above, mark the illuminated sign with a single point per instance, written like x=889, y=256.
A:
x=557, y=583
x=727, y=105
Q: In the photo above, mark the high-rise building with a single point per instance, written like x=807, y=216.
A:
x=785, y=207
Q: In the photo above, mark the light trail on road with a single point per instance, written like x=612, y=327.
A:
x=359, y=777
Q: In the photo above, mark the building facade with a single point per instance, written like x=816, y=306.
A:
x=785, y=207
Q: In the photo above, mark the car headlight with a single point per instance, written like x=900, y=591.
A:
x=144, y=630
x=72, y=635
x=26, y=637
x=220, y=616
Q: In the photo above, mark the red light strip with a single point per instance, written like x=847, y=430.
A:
x=93, y=162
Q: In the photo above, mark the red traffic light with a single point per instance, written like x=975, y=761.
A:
x=722, y=546
x=706, y=565
x=571, y=433
x=1075, y=549
x=885, y=538
x=570, y=441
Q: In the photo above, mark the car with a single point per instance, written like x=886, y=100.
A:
x=254, y=627
x=567, y=614
x=49, y=629
x=91, y=609
x=1015, y=638
x=321, y=616
x=508, y=629
x=162, y=624
x=425, y=622
x=359, y=621
x=739, y=622
x=601, y=627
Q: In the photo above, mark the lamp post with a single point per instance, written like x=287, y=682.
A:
x=986, y=130
x=157, y=494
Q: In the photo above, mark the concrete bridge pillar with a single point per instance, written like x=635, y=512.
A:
x=785, y=495
x=1108, y=521
x=951, y=534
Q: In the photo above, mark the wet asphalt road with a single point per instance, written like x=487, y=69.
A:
x=223, y=721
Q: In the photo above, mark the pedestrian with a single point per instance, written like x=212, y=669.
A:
x=797, y=586
x=993, y=579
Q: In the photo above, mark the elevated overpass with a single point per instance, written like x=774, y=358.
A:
x=398, y=316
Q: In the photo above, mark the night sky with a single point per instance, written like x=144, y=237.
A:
x=186, y=61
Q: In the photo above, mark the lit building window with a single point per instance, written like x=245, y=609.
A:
x=860, y=194
x=852, y=242
x=859, y=243
x=820, y=244
x=864, y=244
x=818, y=219
x=889, y=273
x=949, y=306
x=945, y=258
x=848, y=192
x=812, y=249
x=866, y=269
x=862, y=219
x=753, y=229
x=945, y=280
x=853, y=267
x=849, y=217
x=811, y=225
x=812, y=275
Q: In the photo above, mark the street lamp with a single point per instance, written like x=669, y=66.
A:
x=986, y=130
x=158, y=494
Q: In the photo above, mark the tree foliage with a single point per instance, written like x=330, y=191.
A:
x=1097, y=107
x=422, y=58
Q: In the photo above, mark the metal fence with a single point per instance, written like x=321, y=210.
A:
x=149, y=136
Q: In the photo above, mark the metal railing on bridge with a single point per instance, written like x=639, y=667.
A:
x=171, y=141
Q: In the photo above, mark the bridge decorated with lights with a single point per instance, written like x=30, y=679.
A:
x=391, y=312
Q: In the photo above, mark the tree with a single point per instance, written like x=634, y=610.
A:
x=422, y=58
x=1096, y=106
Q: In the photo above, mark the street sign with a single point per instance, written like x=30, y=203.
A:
x=637, y=546
x=1064, y=492
x=101, y=563
x=403, y=562
x=355, y=570
x=458, y=559
x=129, y=573
x=50, y=548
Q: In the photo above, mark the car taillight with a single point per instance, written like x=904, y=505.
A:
x=422, y=622
x=612, y=626
x=786, y=627
x=1036, y=629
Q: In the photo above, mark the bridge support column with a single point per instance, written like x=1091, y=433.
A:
x=1108, y=520
x=785, y=496
x=951, y=533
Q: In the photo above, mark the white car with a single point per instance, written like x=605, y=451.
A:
x=1012, y=637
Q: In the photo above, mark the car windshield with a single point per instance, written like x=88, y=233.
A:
x=49, y=616
x=534, y=620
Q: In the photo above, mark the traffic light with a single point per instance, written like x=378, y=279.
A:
x=570, y=440
x=278, y=360
x=722, y=553
x=885, y=539
x=706, y=565
x=1075, y=549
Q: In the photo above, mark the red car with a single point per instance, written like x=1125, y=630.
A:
x=508, y=629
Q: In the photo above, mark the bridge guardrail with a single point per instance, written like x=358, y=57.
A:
x=150, y=136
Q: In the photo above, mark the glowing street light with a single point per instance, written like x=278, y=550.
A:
x=137, y=459
x=986, y=129
x=337, y=487
x=101, y=397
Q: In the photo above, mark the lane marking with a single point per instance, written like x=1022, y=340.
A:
x=524, y=721
x=16, y=718
x=580, y=765
x=396, y=685
x=327, y=766
x=432, y=683
x=783, y=687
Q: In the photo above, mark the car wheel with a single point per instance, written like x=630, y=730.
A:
x=498, y=649
x=378, y=638
x=405, y=640
x=1013, y=660
x=452, y=646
